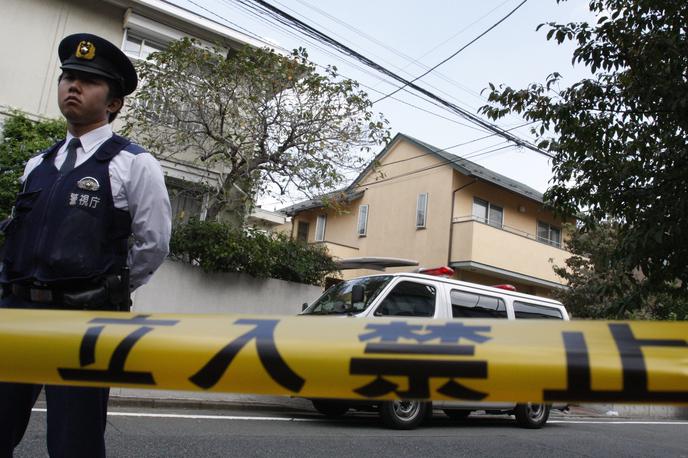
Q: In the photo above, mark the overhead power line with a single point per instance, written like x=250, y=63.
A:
x=287, y=19
x=457, y=52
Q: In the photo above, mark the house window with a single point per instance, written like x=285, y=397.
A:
x=302, y=231
x=320, y=228
x=362, y=220
x=422, y=210
x=185, y=206
x=139, y=47
x=488, y=213
x=548, y=234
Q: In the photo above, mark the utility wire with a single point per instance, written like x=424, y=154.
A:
x=364, y=70
x=425, y=169
x=465, y=156
x=368, y=37
x=457, y=52
x=259, y=17
x=469, y=155
x=261, y=5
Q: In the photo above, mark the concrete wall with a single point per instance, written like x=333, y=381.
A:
x=181, y=288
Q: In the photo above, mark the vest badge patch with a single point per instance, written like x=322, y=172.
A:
x=88, y=184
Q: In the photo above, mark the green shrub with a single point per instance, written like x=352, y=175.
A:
x=21, y=139
x=217, y=247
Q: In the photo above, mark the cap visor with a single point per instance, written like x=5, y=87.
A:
x=87, y=69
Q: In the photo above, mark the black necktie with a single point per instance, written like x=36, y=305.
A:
x=70, y=160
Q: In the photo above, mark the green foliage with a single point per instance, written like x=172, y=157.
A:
x=21, y=139
x=217, y=247
x=620, y=138
x=602, y=287
x=265, y=120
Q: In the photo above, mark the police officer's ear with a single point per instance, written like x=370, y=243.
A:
x=114, y=105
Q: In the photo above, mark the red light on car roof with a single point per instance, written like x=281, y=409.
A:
x=443, y=271
x=507, y=287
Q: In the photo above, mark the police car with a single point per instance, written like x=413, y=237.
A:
x=428, y=293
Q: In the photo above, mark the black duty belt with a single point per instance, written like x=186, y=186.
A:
x=95, y=298
x=33, y=294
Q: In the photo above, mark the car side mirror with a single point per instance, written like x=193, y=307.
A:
x=304, y=306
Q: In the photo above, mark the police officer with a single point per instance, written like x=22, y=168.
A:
x=90, y=225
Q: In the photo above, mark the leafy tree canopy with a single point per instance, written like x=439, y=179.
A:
x=258, y=118
x=602, y=287
x=620, y=137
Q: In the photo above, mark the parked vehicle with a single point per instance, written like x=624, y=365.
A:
x=429, y=294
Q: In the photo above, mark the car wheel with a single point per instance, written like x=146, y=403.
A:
x=531, y=416
x=457, y=414
x=330, y=408
x=404, y=414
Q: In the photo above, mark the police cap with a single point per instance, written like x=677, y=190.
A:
x=89, y=53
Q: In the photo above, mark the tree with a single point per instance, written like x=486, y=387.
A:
x=258, y=118
x=22, y=138
x=620, y=138
x=600, y=286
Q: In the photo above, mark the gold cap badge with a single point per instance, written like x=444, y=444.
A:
x=85, y=50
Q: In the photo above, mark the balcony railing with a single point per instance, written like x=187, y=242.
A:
x=505, y=248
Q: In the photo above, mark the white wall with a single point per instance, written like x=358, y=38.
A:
x=181, y=288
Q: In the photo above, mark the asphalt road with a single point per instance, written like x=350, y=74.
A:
x=163, y=432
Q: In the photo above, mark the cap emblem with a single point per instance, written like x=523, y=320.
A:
x=85, y=50
x=88, y=184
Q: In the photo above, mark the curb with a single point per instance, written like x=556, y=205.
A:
x=161, y=403
x=291, y=405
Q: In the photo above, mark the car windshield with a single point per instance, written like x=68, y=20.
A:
x=336, y=299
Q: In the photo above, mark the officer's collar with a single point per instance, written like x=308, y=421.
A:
x=93, y=139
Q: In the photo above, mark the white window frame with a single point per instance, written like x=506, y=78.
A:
x=145, y=41
x=362, y=227
x=422, y=210
x=548, y=240
x=320, y=224
x=489, y=206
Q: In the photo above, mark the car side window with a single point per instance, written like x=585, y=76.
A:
x=534, y=311
x=472, y=305
x=409, y=299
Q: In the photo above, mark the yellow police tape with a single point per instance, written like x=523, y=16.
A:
x=475, y=360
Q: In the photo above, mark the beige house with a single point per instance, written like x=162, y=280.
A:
x=30, y=31
x=422, y=203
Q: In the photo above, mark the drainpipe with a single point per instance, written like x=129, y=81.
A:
x=451, y=219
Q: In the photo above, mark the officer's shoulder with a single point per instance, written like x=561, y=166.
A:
x=135, y=149
x=129, y=146
x=48, y=150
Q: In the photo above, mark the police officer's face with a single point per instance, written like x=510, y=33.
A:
x=83, y=98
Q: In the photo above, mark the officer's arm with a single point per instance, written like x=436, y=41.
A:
x=149, y=207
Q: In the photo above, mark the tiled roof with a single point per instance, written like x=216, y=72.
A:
x=466, y=167
x=320, y=202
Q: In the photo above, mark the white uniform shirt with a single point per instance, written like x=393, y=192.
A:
x=138, y=186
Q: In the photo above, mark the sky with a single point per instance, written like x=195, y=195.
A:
x=410, y=36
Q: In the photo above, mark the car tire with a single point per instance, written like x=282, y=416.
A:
x=532, y=416
x=404, y=414
x=457, y=414
x=330, y=408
